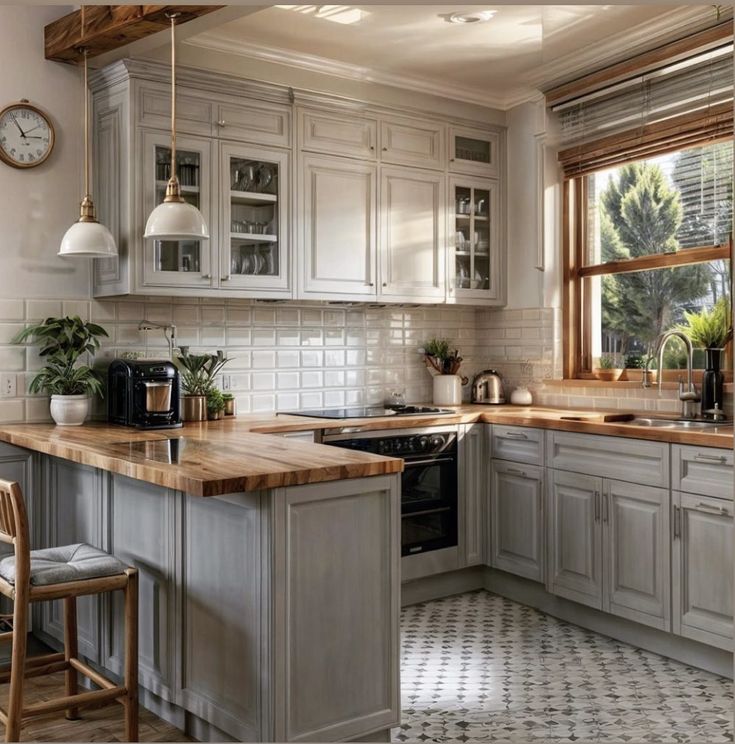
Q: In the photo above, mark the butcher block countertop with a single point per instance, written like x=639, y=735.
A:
x=242, y=453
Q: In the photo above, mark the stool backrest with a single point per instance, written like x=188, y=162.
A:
x=14, y=527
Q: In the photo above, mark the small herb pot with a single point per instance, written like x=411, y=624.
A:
x=195, y=408
x=608, y=375
x=229, y=406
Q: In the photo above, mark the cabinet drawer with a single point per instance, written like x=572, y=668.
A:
x=702, y=470
x=412, y=143
x=338, y=135
x=518, y=444
x=262, y=123
x=630, y=460
x=193, y=115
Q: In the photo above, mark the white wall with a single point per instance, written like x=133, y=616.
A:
x=38, y=205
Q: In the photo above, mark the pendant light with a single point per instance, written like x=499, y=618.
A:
x=175, y=219
x=87, y=238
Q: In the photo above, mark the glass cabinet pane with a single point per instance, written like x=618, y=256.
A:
x=178, y=255
x=254, y=218
x=472, y=249
x=474, y=150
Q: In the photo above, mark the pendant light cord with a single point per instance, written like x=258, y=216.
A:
x=86, y=125
x=173, y=94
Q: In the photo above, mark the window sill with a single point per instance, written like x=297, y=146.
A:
x=623, y=384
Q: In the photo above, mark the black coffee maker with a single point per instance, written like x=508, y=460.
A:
x=143, y=393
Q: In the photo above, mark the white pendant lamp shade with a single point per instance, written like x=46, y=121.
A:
x=87, y=238
x=175, y=219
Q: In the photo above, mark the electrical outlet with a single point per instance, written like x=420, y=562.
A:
x=7, y=385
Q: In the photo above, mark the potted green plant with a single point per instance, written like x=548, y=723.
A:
x=445, y=362
x=197, y=378
x=640, y=365
x=215, y=404
x=62, y=342
x=607, y=369
x=229, y=399
x=710, y=330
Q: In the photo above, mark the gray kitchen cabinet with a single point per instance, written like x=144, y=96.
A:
x=517, y=539
x=142, y=524
x=413, y=142
x=702, y=554
x=575, y=538
x=703, y=470
x=341, y=134
x=71, y=502
x=518, y=444
x=473, y=457
x=637, y=563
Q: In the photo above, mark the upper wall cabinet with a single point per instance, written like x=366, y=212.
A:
x=410, y=142
x=335, y=134
x=351, y=202
x=474, y=151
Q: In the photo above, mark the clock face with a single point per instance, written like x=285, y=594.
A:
x=26, y=136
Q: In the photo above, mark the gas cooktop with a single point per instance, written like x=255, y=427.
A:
x=368, y=412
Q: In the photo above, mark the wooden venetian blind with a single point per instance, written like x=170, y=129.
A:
x=677, y=105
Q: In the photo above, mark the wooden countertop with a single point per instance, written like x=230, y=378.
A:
x=241, y=454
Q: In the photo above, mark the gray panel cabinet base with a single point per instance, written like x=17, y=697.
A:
x=266, y=616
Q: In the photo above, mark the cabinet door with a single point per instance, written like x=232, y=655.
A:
x=474, y=251
x=473, y=456
x=338, y=227
x=637, y=557
x=411, y=142
x=575, y=538
x=474, y=151
x=517, y=519
x=254, y=252
x=334, y=134
x=177, y=263
x=702, y=554
x=412, y=245
x=255, y=121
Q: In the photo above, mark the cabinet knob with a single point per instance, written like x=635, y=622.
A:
x=371, y=284
x=372, y=147
x=206, y=276
x=385, y=149
x=221, y=123
x=224, y=278
x=385, y=284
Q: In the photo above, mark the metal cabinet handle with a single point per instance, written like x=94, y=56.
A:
x=371, y=284
x=206, y=276
x=515, y=471
x=514, y=435
x=385, y=149
x=221, y=123
x=597, y=506
x=224, y=278
x=715, y=509
x=606, y=508
x=720, y=459
x=385, y=284
x=677, y=521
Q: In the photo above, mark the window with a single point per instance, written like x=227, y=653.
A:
x=648, y=240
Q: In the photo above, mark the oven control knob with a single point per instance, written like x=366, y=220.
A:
x=424, y=443
x=437, y=442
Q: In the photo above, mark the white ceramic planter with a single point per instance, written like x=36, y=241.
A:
x=521, y=396
x=69, y=410
x=447, y=390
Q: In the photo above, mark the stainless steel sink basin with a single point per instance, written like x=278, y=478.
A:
x=657, y=423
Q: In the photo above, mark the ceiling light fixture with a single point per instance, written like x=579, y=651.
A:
x=87, y=238
x=471, y=16
x=175, y=218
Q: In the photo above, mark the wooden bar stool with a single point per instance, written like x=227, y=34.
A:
x=60, y=573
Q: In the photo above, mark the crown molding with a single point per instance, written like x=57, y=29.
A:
x=325, y=66
x=669, y=26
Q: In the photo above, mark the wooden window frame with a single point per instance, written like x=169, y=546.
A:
x=576, y=307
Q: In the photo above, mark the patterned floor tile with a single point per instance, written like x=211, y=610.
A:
x=480, y=668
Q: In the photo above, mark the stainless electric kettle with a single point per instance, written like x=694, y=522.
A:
x=487, y=388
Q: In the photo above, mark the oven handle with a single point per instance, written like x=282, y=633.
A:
x=441, y=509
x=432, y=461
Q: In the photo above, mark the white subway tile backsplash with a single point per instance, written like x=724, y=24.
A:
x=40, y=309
x=12, y=309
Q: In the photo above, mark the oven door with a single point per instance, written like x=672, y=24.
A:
x=428, y=505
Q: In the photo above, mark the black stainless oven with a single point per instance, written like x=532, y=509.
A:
x=428, y=485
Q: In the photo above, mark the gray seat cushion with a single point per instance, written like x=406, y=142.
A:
x=65, y=563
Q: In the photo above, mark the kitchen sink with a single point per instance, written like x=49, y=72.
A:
x=660, y=423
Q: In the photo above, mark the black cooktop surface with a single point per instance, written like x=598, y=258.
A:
x=367, y=412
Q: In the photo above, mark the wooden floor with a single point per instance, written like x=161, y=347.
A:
x=103, y=724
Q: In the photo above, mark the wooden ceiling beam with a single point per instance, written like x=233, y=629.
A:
x=103, y=28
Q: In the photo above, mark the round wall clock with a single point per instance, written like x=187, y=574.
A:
x=26, y=135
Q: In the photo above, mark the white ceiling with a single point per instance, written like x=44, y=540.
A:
x=498, y=63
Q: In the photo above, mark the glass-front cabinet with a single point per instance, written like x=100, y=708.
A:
x=181, y=263
x=254, y=250
x=474, y=270
x=474, y=151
